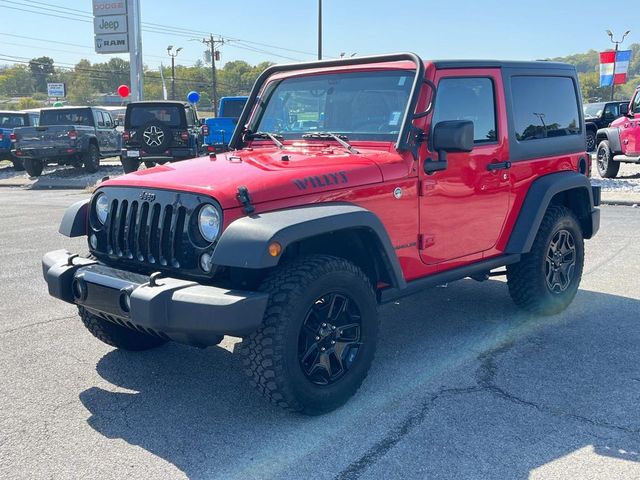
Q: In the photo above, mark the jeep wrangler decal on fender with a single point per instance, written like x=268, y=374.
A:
x=317, y=181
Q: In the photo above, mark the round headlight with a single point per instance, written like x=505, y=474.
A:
x=102, y=208
x=209, y=222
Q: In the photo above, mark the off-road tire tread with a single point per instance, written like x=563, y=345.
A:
x=33, y=166
x=613, y=167
x=261, y=352
x=117, y=336
x=87, y=161
x=521, y=276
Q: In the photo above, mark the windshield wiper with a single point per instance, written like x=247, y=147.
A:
x=270, y=136
x=341, y=139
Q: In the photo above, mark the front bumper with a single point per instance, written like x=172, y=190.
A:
x=180, y=310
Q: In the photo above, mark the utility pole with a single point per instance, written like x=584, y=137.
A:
x=173, y=56
x=319, y=29
x=215, y=55
x=617, y=43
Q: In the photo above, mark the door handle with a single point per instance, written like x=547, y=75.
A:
x=499, y=166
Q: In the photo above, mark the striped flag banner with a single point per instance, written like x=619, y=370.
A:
x=621, y=61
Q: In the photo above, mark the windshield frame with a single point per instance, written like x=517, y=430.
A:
x=403, y=141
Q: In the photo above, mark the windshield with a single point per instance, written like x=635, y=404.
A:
x=10, y=121
x=593, y=109
x=360, y=105
x=66, y=117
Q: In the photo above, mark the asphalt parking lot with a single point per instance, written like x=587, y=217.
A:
x=463, y=386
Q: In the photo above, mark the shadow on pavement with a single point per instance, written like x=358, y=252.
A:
x=467, y=384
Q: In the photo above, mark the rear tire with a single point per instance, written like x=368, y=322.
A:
x=116, y=335
x=91, y=159
x=129, y=164
x=607, y=166
x=318, y=337
x=18, y=165
x=33, y=166
x=546, y=279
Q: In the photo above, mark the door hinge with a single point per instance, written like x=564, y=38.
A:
x=425, y=241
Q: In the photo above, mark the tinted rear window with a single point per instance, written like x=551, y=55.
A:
x=165, y=114
x=11, y=121
x=544, y=107
x=233, y=108
x=66, y=117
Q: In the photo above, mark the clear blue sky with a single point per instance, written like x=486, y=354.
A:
x=444, y=29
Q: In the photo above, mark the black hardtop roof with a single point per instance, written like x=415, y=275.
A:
x=158, y=102
x=537, y=64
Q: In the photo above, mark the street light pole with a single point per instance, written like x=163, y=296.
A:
x=617, y=43
x=173, y=56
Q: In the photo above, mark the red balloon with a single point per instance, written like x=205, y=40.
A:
x=123, y=91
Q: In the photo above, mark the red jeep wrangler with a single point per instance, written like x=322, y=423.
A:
x=620, y=142
x=352, y=183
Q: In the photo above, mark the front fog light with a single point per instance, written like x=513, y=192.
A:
x=206, y=262
x=93, y=241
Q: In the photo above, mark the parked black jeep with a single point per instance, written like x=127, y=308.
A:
x=159, y=132
x=600, y=115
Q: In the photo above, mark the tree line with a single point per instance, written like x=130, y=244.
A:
x=86, y=81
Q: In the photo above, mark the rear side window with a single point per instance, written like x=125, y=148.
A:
x=468, y=99
x=635, y=107
x=233, y=108
x=544, y=107
x=100, y=119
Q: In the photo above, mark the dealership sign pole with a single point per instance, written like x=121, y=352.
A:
x=116, y=25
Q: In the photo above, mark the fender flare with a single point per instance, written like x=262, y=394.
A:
x=74, y=220
x=244, y=243
x=613, y=135
x=536, y=203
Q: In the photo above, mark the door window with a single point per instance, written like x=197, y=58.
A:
x=99, y=119
x=108, y=122
x=635, y=108
x=611, y=111
x=468, y=99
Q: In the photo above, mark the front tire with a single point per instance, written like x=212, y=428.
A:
x=607, y=166
x=91, y=159
x=318, y=337
x=117, y=336
x=546, y=279
x=591, y=140
x=33, y=166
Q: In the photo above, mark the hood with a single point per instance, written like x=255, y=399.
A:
x=269, y=174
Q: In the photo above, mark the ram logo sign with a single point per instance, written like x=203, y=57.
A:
x=112, y=43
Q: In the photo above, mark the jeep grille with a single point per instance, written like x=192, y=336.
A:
x=151, y=230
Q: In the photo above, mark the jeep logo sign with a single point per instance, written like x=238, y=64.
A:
x=112, y=43
x=110, y=24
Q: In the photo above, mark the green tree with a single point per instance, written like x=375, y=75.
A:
x=81, y=90
x=41, y=71
x=16, y=81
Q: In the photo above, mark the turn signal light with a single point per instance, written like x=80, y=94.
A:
x=275, y=249
x=126, y=136
x=184, y=136
x=12, y=137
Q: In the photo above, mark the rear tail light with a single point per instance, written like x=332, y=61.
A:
x=126, y=136
x=12, y=137
x=184, y=136
x=73, y=135
x=1, y=136
x=205, y=130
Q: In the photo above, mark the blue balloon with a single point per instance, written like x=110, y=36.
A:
x=193, y=96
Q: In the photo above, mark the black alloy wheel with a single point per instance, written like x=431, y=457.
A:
x=329, y=339
x=560, y=261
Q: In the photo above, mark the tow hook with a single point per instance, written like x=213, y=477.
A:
x=153, y=279
x=71, y=258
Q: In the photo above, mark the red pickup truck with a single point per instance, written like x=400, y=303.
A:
x=349, y=184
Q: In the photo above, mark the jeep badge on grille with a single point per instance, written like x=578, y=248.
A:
x=147, y=196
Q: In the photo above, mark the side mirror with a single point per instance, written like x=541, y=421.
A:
x=449, y=137
x=624, y=109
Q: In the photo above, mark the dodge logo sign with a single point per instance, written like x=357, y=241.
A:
x=147, y=196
